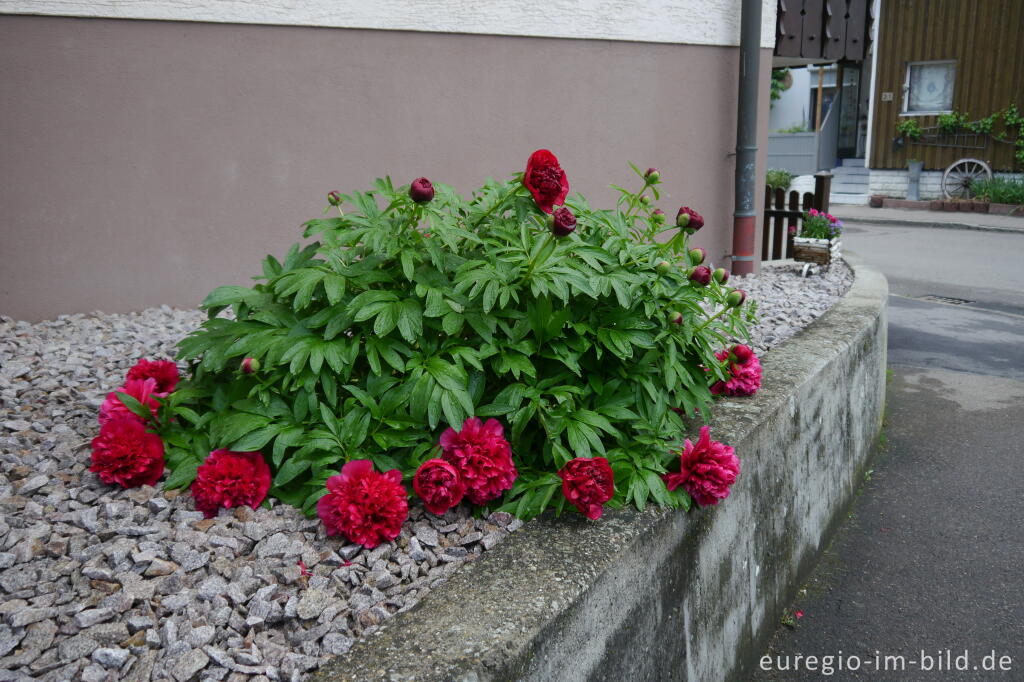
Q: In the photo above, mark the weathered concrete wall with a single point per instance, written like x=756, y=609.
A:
x=667, y=595
x=147, y=162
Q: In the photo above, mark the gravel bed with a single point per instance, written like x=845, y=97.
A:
x=787, y=302
x=100, y=583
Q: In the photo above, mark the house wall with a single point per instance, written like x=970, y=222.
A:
x=793, y=107
x=987, y=41
x=146, y=162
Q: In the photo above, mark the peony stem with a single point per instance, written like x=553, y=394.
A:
x=711, y=319
x=492, y=209
x=533, y=261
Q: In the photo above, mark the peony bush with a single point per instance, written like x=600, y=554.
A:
x=518, y=350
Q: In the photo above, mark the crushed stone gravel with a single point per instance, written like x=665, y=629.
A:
x=101, y=583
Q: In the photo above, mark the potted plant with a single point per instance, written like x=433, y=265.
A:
x=818, y=240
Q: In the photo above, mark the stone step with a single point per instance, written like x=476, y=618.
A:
x=848, y=198
x=853, y=163
x=846, y=171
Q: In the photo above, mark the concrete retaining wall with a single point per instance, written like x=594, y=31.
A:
x=664, y=595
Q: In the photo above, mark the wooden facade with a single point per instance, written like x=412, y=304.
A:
x=984, y=37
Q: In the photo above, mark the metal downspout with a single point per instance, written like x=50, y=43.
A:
x=745, y=216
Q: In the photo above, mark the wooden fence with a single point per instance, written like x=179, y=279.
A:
x=782, y=213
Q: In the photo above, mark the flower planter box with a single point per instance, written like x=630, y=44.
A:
x=981, y=206
x=1006, y=209
x=820, y=251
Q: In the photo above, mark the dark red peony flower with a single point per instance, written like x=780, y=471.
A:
x=546, y=180
x=365, y=506
x=421, y=190
x=126, y=454
x=563, y=222
x=744, y=375
x=706, y=470
x=142, y=390
x=439, y=485
x=693, y=220
x=701, y=275
x=230, y=479
x=164, y=371
x=482, y=457
x=588, y=483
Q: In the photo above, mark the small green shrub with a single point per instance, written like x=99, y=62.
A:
x=952, y=122
x=798, y=128
x=999, y=190
x=779, y=178
x=908, y=128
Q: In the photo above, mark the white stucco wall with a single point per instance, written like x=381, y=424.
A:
x=793, y=108
x=696, y=22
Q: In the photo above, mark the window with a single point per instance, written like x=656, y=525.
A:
x=929, y=87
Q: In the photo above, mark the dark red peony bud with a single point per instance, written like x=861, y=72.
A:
x=736, y=298
x=250, y=366
x=701, y=275
x=563, y=222
x=741, y=354
x=698, y=255
x=663, y=267
x=421, y=190
x=721, y=275
x=658, y=216
x=675, y=317
x=334, y=198
x=645, y=200
x=652, y=176
x=692, y=219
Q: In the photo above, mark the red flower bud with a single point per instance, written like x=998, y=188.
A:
x=692, y=219
x=701, y=275
x=645, y=200
x=421, y=190
x=652, y=176
x=675, y=317
x=698, y=255
x=736, y=298
x=663, y=267
x=250, y=366
x=721, y=275
x=334, y=198
x=563, y=222
x=741, y=354
x=658, y=216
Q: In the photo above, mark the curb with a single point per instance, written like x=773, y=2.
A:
x=662, y=594
x=921, y=223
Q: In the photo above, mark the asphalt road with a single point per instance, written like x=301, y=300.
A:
x=928, y=570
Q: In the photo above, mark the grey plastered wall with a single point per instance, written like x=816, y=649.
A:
x=658, y=595
x=146, y=162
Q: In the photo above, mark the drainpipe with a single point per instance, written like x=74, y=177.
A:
x=744, y=235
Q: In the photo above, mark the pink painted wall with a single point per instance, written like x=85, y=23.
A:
x=146, y=162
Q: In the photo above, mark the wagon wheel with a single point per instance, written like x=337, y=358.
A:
x=956, y=181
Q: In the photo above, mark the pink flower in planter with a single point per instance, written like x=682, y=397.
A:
x=364, y=505
x=707, y=470
x=482, y=457
x=744, y=370
x=142, y=390
x=230, y=479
